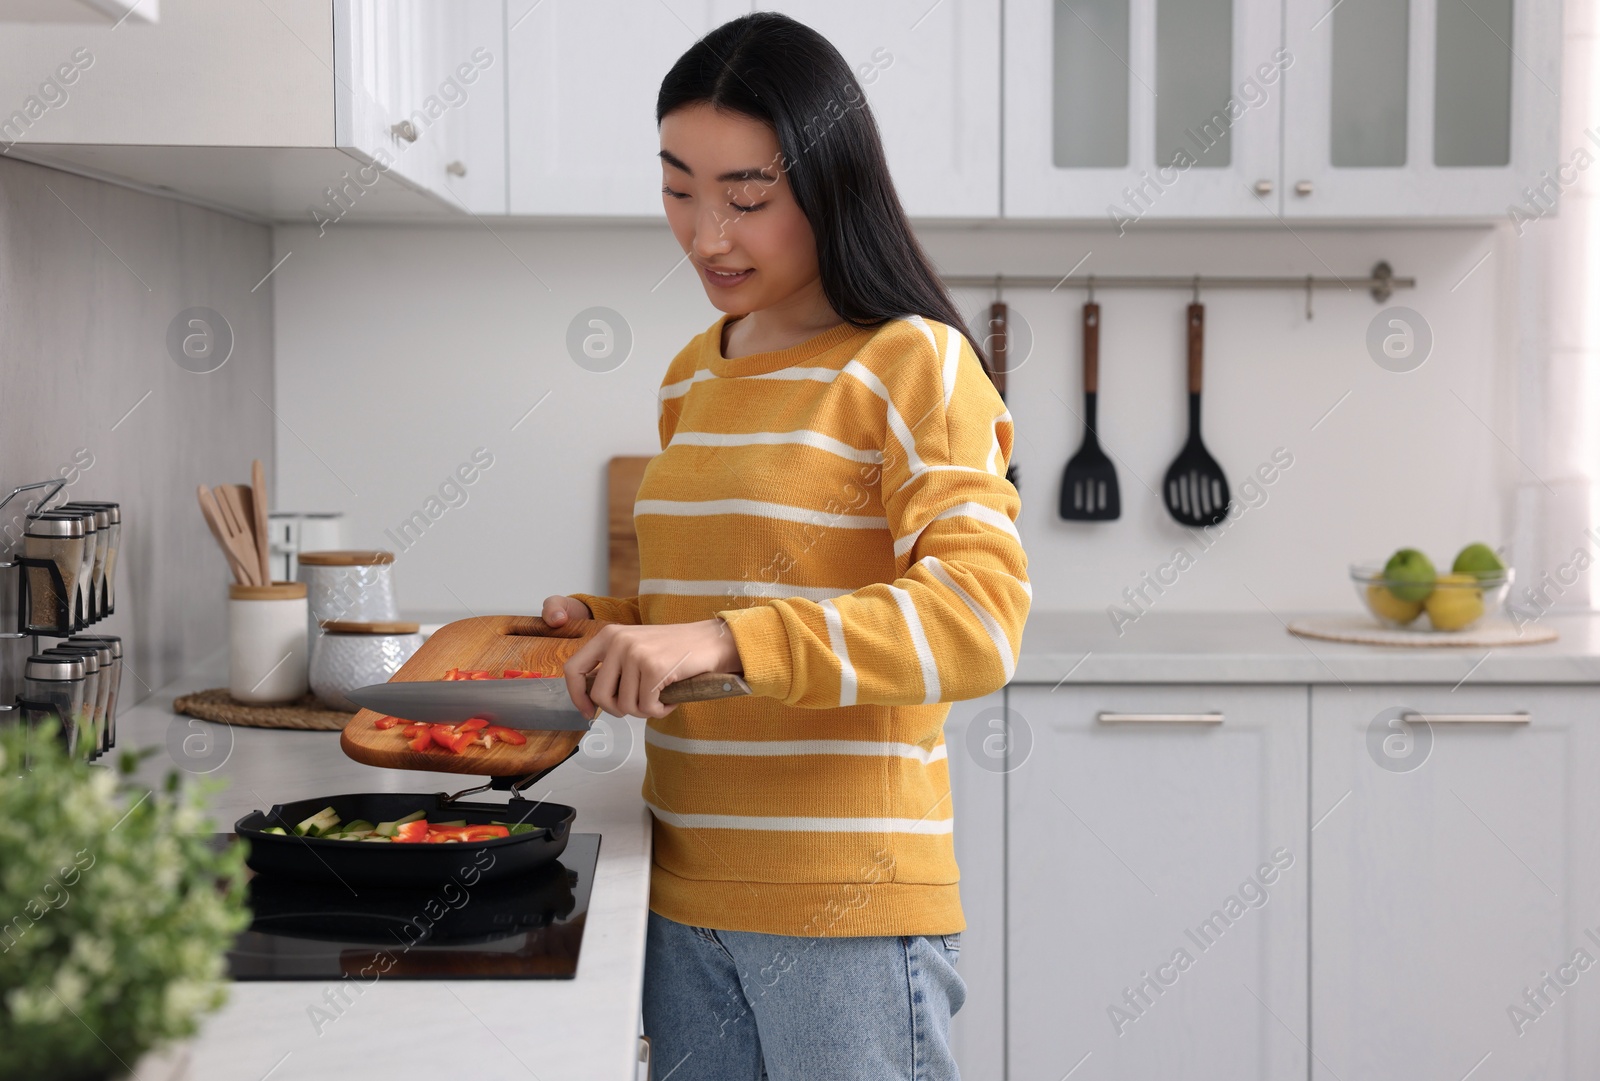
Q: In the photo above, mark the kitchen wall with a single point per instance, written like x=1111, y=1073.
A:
x=402, y=350
x=91, y=278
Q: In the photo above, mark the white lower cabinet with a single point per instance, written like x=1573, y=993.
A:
x=1455, y=909
x=975, y=735
x=1157, y=883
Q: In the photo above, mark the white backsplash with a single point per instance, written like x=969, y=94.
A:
x=403, y=352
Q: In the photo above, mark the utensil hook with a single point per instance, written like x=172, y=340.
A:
x=1196, y=297
x=1090, y=299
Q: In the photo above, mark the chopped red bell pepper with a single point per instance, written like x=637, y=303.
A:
x=385, y=723
x=472, y=724
x=413, y=832
x=506, y=735
x=423, y=739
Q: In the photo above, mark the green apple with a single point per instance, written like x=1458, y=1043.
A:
x=1479, y=560
x=1410, y=575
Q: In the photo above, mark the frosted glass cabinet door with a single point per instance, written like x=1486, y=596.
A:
x=931, y=73
x=582, y=82
x=1420, y=108
x=1456, y=868
x=1157, y=878
x=1126, y=109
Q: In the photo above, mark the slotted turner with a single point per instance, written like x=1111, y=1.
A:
x=1089, y=484
x=1195, y=489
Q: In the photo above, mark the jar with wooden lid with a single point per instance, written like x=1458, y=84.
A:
x=350, y=654
x=348, y=585
x=59, y=538
x=267, y=642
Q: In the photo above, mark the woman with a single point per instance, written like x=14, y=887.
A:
x=829, y=516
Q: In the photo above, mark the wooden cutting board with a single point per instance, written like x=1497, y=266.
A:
x=623, y=475
x=486, y=642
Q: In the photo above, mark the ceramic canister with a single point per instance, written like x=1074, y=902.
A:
x=267, y=642
x=348, y=586
x=350, y=654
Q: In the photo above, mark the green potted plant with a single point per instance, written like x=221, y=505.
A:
x=116, y=911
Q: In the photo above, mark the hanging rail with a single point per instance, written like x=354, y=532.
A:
x=1380, y=282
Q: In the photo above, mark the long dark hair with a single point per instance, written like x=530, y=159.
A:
x=771, y=68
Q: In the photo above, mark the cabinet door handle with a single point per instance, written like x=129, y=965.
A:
x=1263, y=187
x=456, y=168
x=1107, y=717
x=1302, y=187
x=405, y=129
x=1523, y=717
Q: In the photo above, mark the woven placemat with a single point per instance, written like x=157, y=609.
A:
x=306, y=713
x=1363, y=631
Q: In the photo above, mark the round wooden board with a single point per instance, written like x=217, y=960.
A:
x=487, y=642
x=1362, y=630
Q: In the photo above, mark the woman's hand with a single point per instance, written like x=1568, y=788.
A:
x=558, y=609
x=633, y=663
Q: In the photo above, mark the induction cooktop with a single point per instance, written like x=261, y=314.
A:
x=529, y=927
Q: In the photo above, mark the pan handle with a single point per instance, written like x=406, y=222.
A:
x=1197, y=334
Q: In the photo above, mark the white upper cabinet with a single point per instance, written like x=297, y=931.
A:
x=583, y=77
x=931, y=73
x=420, y=90
x=1132, y=109
x=1422, y=108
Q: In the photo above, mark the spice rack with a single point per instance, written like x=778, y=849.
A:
x=63, y=588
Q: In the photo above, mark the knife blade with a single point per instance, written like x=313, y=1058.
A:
x=539, y=704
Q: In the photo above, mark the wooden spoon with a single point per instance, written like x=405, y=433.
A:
x=258, y=488
x=212, y=511
x=237, y=515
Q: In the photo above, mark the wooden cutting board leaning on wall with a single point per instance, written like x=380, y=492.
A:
x=623, y=475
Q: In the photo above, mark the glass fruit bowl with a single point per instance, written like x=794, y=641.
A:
x=1452, y=602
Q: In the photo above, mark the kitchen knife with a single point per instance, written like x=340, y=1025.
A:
x=540, y=704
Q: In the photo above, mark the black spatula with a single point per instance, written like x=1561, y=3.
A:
x=1195, y=490
x=1089, y=484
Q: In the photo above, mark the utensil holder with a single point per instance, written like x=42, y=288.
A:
x=267, y=642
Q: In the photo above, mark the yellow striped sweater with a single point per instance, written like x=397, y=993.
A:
x=843, y=505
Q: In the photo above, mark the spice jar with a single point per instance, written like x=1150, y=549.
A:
x=60, y=539
x=348, y=586
x=52, y=686
x=91, y=719
x=98, y=606
x=349, y=654
x=102, y=700
x=267, y=642
x=111, y=681
x=112, y=541
x=80, y=600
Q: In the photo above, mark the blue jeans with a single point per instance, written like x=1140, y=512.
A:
x=738, y=1005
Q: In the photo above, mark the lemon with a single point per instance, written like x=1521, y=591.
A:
x=1453, y=605
x=1386, y=605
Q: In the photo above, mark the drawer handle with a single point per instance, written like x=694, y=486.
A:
x=1523, y=717
x=1106, y=717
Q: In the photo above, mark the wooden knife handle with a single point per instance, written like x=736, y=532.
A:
x=702, y=688
x=1197, y=334
x=1091, y=347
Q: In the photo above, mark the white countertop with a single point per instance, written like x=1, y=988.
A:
x=438, y=1030
x=1250, y=647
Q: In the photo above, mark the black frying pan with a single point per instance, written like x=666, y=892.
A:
x=358, y=863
